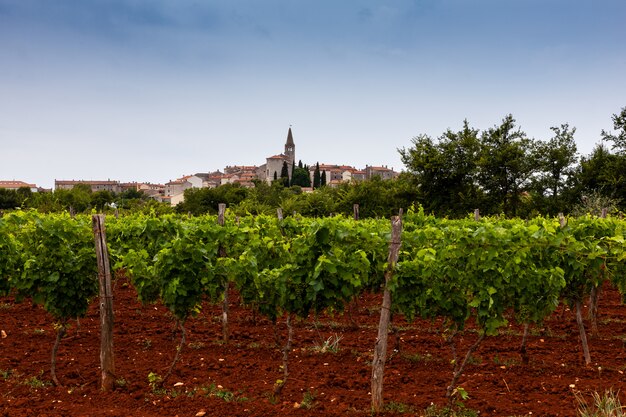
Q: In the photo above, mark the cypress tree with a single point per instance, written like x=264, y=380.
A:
x=323, y=179
x=284, y=174
x=316, y=176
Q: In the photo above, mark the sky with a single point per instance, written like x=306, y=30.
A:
x=151, y=90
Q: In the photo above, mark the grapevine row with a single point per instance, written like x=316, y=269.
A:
x=486, y=272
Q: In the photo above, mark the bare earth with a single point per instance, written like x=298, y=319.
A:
x=237, y=379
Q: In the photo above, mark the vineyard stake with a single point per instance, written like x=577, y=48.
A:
x=380, y=349
x=222, y=253
x=107, y=357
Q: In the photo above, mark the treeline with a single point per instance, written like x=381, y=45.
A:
x=500, y=171
x=80, y=199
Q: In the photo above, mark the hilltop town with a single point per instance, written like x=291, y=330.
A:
x=275, y=167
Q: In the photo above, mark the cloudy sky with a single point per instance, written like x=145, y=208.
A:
x=150, y=90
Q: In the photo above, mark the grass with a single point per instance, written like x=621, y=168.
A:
x=435, y=411
x=212, y=390
x=120, y=383
x=421, y=358
x=308, y=400
x=603, y=405
x=394, y=407
x=474, y=360
x=197, y=345
x=6, y=373
x=36, y=382
x=508, y=362
x=329, y=345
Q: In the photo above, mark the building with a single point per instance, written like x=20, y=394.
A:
x=111, y=186
x=154, y=191
x=274, y=164
x=176, y=187
x=383, y=172
x=16, y=185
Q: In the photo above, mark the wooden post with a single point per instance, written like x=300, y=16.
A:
x=562, y=220
x=221, y=211
x=477, y=214
x=380, y=349
x=221, y=207
x=279, y=213
x=107, y=357
x=355, y=209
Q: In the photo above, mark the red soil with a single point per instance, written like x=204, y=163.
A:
x=497, y=381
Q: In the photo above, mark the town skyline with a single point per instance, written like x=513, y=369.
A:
x=154, y=89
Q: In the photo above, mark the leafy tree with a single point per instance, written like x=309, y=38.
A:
x=78, y=198
x=206, y=200
x=323, y=179
x=100, y=199
x=300, y=176
x=8, y=199
x=506, y=165
x=24, y=195
x=132, y=193
x=557, y=159
x=377, y=198
x=603, y=172
x=445, y=170
x=618, y=138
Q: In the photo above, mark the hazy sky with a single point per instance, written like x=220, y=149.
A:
x=149, y=90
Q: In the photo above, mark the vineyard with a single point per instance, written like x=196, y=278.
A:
x=298, y=304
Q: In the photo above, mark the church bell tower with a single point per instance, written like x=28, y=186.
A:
x=290, y=149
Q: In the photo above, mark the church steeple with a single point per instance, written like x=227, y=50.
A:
x=290, y=148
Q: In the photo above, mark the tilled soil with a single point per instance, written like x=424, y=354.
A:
x=238, y=378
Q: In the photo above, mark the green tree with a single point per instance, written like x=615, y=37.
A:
x=445, y=170
x=557, y=161
x=206, y=200
x=284, y=174
x=8, y=199
x=377, y=198
x=24, y=195
x=506, y=165
x=78, y=198
x=316, y=176
x=301, y=177
x=323, y=179
x=100, y=199
x=619, y=137
x=603, y=173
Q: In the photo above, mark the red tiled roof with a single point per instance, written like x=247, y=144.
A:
x=15, y=184
x=90, y=182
